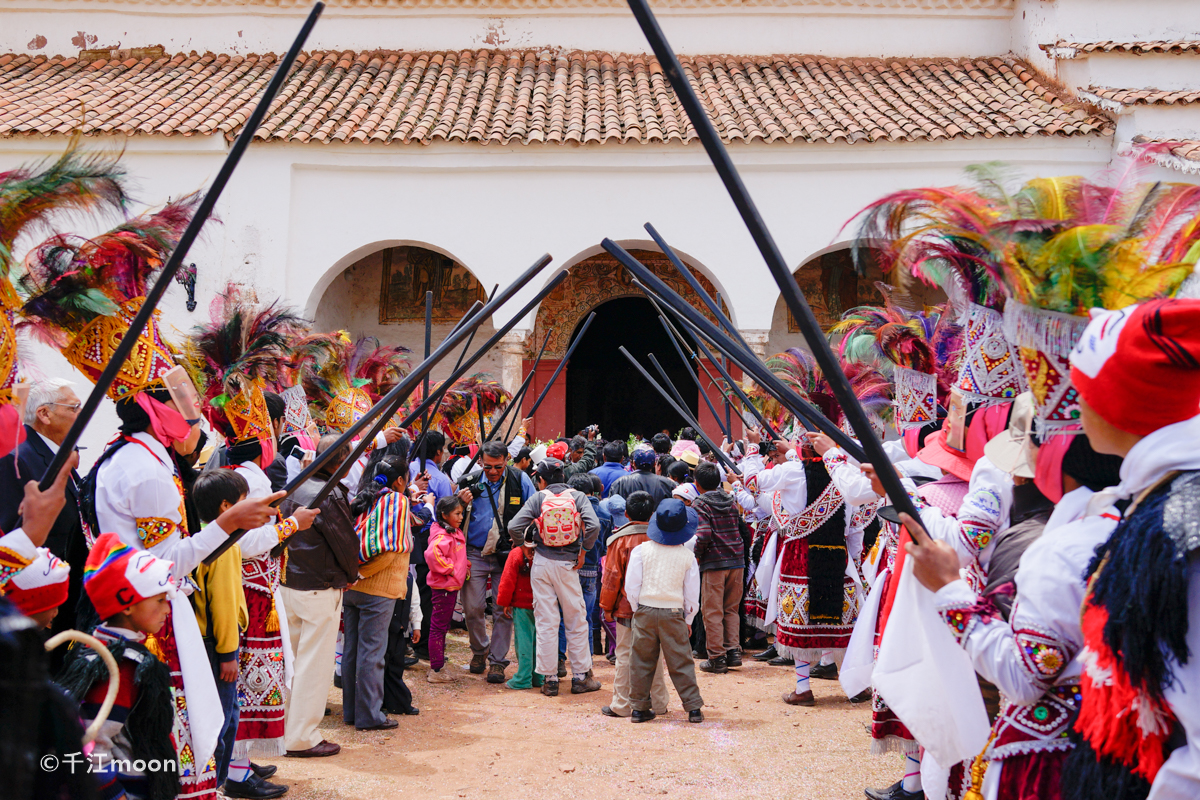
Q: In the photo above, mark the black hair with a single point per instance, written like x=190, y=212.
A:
x=688, y=433
x=433, y=443
x=612, y=452
x=578, y=443
x=597, y=485
x=661, y=443
x=704, y=448
x=495, y=449
x=242, y=452
x=679, y=472
x=581, y=482
x=386, y=472
x=275, y=405
x=639, y=506
x=523, y=454
x=397, y=448
x=624, y=449
x=215, y=487
x=134, y=418
x=1094, y=470
x=664, y=464
x=445, y=506
x=708, y=477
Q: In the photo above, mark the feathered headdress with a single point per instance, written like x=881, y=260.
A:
x=237, y=354
x=459, y=410
x=382, y=366
x=327, y=363
x=29, y=195
x=81, y=295
x=798, y=370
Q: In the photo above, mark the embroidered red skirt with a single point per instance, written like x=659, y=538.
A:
x=194, y=783
x=809, y=622
x=261, y=686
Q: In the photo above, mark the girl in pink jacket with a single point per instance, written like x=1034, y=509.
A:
x=446, y=557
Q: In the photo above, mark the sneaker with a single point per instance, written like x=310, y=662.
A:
x=478, y=664
x=717, y=666
x=584, y=684
x=562, y=668
x=496, y=673
x=440, y=676
x=733, y=658
x=550, y=688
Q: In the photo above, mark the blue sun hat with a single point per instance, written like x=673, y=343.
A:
x=673, y=523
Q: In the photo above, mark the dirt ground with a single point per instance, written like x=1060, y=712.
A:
x=476, y=740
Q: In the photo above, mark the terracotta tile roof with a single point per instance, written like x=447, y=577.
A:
x=1142, y=97
x=1073, y=49
x=508, y=97
x=1180, y=154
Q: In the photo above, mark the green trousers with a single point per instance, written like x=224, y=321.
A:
x=526, y=635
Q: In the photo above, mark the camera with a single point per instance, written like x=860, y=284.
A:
x=472, y=482
x=766, y=447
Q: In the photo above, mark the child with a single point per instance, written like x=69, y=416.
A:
x=662, y=584
x=38, y=590
x=220, y=604
x=446, y=557
x=515, y=596
x=131, y=591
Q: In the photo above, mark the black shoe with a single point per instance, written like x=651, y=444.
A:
x=608, y=712
x=717, y=665
x=337, y=681
x=612, y=658
x=782, y=661
x=254, y=788
x=421, y=653
x=894, y=792
x=641, y=716
x=386, y=725
x=263, y=771
x=766, y=655
x=733, y=658
x=826, y=672
x=411, y=711
x=695, y=715
x=410, y=661
x=862, y=697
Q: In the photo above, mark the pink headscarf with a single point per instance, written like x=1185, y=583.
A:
x=1047, y=473
x=12, y=432
x=683, y=446
x=166, y=424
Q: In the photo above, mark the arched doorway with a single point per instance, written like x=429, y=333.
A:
x=604, y=389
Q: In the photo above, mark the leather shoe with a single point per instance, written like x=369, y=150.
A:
x=766, y=655
x=894, y=792
x=411, y=711
x=608, y=712
x=325, y=748
x=253, y=788
x=782, y=661
x=478, y=664
x=717, y=666
x=495, y=673
x=550, y=688
x=641, y=716
x=733, y=658
x=263, y=771
x=826, y=672
x=862, y=697
x=803, y=699
x=411, y=661
x=695, y=715
x=386, y=725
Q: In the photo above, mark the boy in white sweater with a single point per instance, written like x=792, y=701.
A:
x=662, y=584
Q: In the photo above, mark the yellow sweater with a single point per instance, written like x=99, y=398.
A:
x=220, y=595
x=385, y=575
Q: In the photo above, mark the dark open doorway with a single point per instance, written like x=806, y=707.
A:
x=603, y=388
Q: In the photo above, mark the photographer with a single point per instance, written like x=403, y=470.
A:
x=581, y=452
x=498, y=490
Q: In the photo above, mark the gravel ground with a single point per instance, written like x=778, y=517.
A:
x=474, y=739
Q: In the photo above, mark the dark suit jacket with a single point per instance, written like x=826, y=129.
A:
x=66, y=541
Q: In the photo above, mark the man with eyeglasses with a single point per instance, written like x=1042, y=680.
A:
x=49, y=413
x=502, y=491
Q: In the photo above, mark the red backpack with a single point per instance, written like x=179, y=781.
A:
x=560, y=522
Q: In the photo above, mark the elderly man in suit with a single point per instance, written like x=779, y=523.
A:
x=49, y=412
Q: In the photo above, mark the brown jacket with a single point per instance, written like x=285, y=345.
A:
x=612, y=590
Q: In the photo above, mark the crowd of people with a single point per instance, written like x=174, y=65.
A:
x=1026, y=635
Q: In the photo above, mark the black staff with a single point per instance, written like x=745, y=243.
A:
x=138, y=324
x=667, y=381
x=774, y=259
x=683, y=412
x=520, y=395
x=767, y=379
x=695, y=379
x=428, y=347
x=562, y=364
x=402, y=389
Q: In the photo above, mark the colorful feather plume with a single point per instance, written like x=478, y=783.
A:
x=460, y=400
x=382, y=366
x=242, y=342
x=68, y=280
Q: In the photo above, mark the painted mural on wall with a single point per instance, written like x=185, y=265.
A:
x=597, y=280
x=832, y=287
x=409, y=272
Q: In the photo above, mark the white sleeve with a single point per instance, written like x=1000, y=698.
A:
x=691, y=592
x=187, y=553
x=415, y=617
x=633, y=577
x=515, y=446
x=259, y=541
x=854, y=486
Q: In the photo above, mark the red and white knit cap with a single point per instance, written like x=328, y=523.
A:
x=41, y=586
x=116, y=576
x=1139, y=367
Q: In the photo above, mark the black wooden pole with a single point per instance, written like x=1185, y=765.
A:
x=728, y=408
x=667, y=382
x=425, y=385
x=561, y=364
x=792, y=295
x=694, y=376
x=203, y=211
